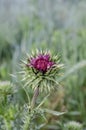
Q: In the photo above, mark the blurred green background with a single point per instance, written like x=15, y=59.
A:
x=57, y=25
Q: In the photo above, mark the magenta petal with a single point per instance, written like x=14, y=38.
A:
x=32, y=62
x=50, y=64
x=47, y=57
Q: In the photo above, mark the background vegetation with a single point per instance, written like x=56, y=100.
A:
x=58, y=25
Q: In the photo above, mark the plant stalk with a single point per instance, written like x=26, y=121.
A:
x=36, y=93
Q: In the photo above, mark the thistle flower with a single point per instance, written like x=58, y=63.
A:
x=5, y=88
x=72, y=125
x=41, y=63
x=41, y=69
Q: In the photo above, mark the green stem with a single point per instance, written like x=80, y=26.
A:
x=26, y=125
x=36, y=93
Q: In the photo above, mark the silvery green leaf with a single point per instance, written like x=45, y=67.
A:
x=42, y=125
x=56, y=113
x=42, y=101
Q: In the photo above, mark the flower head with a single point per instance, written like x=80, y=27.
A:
x=42, y=63
x=42, y=69
x=72, y=125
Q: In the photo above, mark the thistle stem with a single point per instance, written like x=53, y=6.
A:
x=36, y=93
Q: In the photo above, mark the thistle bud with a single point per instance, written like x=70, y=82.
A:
x=41, y=69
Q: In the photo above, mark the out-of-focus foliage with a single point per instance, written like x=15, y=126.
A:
x=58, y=25
x=73, y=126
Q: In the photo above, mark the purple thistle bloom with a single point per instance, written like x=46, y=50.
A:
x=41, y=69
x=41, y=63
